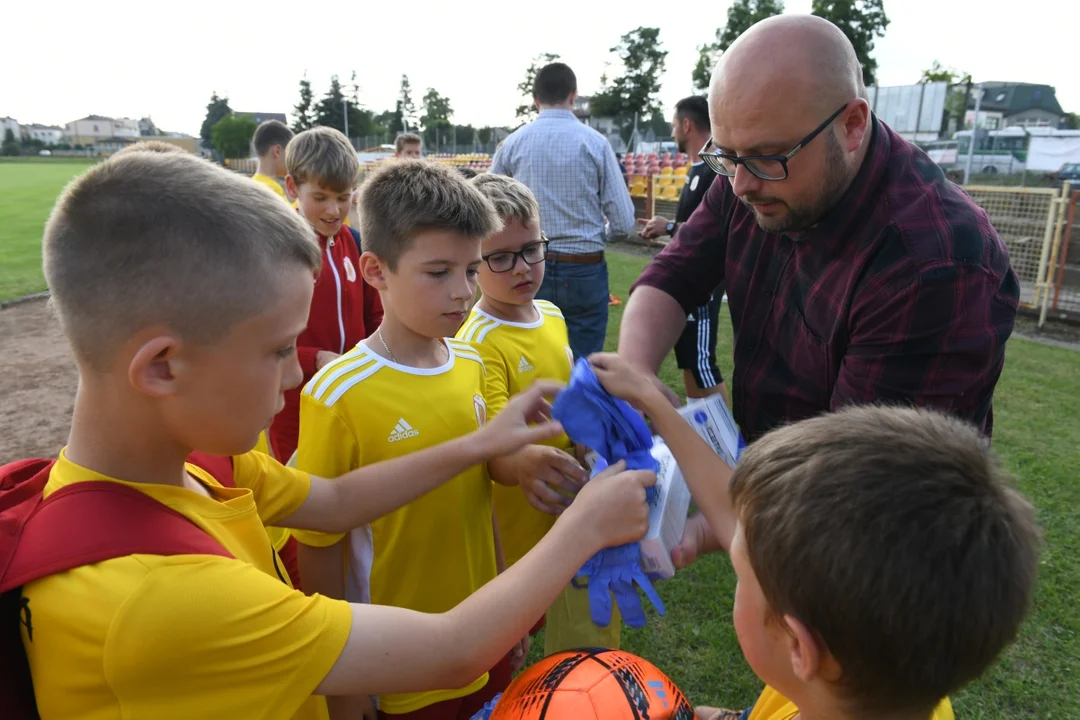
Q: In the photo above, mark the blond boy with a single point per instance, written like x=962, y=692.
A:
x=522, y=339
x=408, y=146
x=180, y=352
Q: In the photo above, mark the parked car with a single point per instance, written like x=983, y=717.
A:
x=1069, y=172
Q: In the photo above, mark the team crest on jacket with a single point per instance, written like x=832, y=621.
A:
x=694, y=182
x=350, y=271
x=481, y=410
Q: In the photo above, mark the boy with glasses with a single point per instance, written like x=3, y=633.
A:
x=521, y=340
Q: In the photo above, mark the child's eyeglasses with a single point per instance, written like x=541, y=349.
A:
x=505, y=260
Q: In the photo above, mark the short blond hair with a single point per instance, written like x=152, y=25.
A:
x=323, y=156
x=511, y=198
x=150, y=146
x=406, y=139
x=401, y=199
x=164, y=238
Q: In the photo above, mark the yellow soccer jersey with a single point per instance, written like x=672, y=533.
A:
x=439, y=549
x=774, y=706
x=270, y=183
x=189, y=635
x=516, y=355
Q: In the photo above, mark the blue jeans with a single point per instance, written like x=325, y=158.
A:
x=581, y=292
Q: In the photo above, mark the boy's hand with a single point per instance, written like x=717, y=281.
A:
x=625, y=381
x=324, y=357
x=612, y=505
x=542, y=471
x=519, y=653
x=526, y=420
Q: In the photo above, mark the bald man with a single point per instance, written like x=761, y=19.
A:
x=856, y=273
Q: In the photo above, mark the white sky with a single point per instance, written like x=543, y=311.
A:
x=142, y=60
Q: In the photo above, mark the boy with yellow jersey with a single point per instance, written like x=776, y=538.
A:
x=520, y=340
x=406, y=387
x=269, y=143
x=883, y=560
x=180, y=353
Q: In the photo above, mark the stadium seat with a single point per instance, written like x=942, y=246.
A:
x=666, y=171
x=680, y=171
x=664, y=180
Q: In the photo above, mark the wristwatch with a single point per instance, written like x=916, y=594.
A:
x=669, y=229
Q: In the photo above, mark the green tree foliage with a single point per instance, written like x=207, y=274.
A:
x=302, y=115
x=232, y=136
x=861, y=21
x=740, y=16
x=216, y=110
x=636, y=90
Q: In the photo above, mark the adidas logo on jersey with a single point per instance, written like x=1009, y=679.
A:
x=402, y=431
x=525, y=366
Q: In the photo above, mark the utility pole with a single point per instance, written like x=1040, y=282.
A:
x=974, y=135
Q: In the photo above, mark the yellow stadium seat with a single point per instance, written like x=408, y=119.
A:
x=680, y=171
x=665, y=171
x=663, y=180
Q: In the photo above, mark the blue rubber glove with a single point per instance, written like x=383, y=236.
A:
x=594, y=418
x=484, y=713
x=615, y=571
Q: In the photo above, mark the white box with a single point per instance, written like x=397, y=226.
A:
x=712, y=420
x=667, y=516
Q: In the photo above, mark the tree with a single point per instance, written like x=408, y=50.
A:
x=10, y=146
x=330, y=110
x=527, y=109
x=861, y=21
x=216, y=110
x=436, y=109
x=302, y=110
x=404, y=108
x=741, y=15
x=635, y=91
x=1071, y=121
x=232, y=136
x=939, y=73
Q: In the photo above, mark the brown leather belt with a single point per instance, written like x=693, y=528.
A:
x=579, y=258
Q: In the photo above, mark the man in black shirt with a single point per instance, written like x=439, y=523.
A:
x=695, y=351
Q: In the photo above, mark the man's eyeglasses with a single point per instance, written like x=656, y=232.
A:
x=766, y=167
x=505, y=260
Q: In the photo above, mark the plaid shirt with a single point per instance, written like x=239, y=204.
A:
x=572, y=171
x=902, y=294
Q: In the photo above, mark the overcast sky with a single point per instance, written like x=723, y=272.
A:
x=141, y=59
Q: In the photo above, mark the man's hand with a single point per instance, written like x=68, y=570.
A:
x=654, y=228
x=519, y=653
x=324, y=357
x=695, y=541
x=543, y=471
x=526, y=420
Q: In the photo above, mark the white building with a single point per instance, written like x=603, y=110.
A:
x=93, y=128
x=48, y=134
x=8, y=123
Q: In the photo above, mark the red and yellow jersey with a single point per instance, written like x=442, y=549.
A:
x=170, y=637
x=516, y=355
x=434, y=552
x=774, y=706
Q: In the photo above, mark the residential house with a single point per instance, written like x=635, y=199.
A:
x=48, y=134
x=93, y=128
x=261, y=117
x=1006, y=104
x=10, y=123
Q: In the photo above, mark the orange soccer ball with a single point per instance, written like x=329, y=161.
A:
x=592, y=684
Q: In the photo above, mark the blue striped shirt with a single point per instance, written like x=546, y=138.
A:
x=572, y=171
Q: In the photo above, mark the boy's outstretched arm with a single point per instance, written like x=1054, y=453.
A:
x=392, y=650
x=366, y=494
x=706, y=473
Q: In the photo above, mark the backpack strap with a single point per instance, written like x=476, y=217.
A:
x=93, y=521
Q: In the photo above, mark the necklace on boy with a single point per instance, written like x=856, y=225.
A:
x=389, y=354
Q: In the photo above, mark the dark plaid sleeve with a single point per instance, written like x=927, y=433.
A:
x=930, y=337
x=691, y=267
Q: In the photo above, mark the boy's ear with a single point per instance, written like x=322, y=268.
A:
x=373, y=270
x=152, y=369
x=810, y=658
x=290, y=187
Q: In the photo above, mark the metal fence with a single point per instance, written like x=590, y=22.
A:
x=1040, y=227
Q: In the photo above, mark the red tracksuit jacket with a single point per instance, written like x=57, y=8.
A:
x=344, y=311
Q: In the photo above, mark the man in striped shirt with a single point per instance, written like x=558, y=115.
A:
x=572, y=171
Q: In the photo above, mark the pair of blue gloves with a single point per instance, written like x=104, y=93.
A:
x=594, y=418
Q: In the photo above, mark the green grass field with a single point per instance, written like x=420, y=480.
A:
x=28, y=189
x=1037, y=429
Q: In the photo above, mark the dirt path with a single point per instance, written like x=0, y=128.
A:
x=37, y=382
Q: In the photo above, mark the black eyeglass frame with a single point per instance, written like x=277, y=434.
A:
x=519, y=255
x=715, y=158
